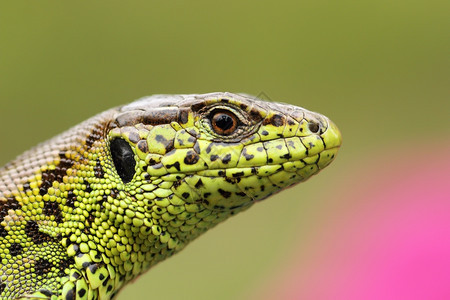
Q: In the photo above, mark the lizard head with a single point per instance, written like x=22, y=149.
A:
x=193, y=160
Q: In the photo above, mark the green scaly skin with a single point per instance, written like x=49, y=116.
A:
x=76, y=224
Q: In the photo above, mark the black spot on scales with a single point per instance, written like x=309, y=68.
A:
x=191, y=158
x=42, y=266
x=15, y=249
x=93, y=268
x=191, y=139
x=181, y=142
x=255, y=115
x=243, y=106
x=224, y=194
x=32, y=231
x=238, y=174
x=81, y=292
x=98, y=256
x=90, y=219
x=197, y=147
x=230, y=180
x=208, y=149
x=142, y=146
x=70, y=294
x=10, y=203
x=46, y=292
x=199, y=184
x=88, y=188
x=134, y=137
x=86, y=264
x=168, y=144
x=98, y=170
x=183, y=116
x=246, y=155
x=175, y=165
x=71, y=198
x=65, y=264
x=3, y=231
x=226, y=159
x=275, y=120
x=197, y=106
x=153, y=162
x=26, y=187
x=57, y=174
x=176, y=184
x=95, y=135
x=114, y=193
x=76, y=275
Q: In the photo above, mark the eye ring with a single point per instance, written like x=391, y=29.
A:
x=223, y=122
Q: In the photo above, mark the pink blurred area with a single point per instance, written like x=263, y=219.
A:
x=389, y=237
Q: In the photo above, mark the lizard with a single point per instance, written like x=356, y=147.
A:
x=87, y=211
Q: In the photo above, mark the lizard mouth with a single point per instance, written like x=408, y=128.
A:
x=272, y=166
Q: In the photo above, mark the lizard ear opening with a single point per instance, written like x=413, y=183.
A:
x=123, y=158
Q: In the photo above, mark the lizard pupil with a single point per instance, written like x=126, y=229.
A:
x=123, y=158
x=224, y=122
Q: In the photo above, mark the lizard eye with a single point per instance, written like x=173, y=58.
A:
x=223, y=122
x=123, y=158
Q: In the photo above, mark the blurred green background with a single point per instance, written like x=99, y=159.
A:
x=379, y=69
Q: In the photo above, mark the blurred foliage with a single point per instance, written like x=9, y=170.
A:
x=379, y=69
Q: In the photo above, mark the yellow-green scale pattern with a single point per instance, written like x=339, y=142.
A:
x=89, y=210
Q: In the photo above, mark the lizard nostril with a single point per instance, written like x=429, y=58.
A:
x=314, y=127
